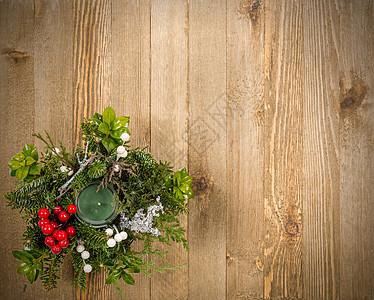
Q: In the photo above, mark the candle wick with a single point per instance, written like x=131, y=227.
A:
x=99, y=203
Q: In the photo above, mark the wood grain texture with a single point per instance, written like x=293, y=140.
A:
x=245, y=142
x=283, y=177
x=207, y=149
x=131, y=45
x=17, y=124
x=321, y=232
x=353, y=36
x=91, y=93
x=169, y=112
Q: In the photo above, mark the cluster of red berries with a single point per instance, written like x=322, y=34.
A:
x=57, y=238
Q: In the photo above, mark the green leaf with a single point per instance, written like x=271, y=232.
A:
x=187, y=190
x=35, y=169
x=14, y=165
x=23, y=256
x=119, y=122
x=128, y=278
x=13, y=173
x=29, y=160
x=183, y=172
x=109, y=144
x=186, y=180
x=96, y=118
x=22, y=172
x=19, y=157
x=31, y=275
x=117, y=133
x=23, y=268
x=104, y=128
x=113, y=277
x=109, y=114
x=30, y=150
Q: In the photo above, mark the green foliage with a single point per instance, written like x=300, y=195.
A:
x=24, y=165
x=138, y=180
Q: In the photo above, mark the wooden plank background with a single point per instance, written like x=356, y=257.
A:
x=269, y=104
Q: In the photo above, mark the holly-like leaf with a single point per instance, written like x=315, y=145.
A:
x=128, y=278
x=35, y=169
x=104, y=128
x=119, y=122
x=187, y=190
x=19, y=157
x=109, y=144
x=29, y=160
x=22, y=172
x=109, y=115
x=30, y=150
x=183, y=172
x=186, y=180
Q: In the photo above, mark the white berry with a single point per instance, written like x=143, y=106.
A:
x=111, y=243
x=80, y=248
x=123, y=155
x=64, y=169
x=125, y=136
x=123, y=235
x=87, y=268
x=121, y=149
x=57, y=150
x=109, y=231
x=118, y=237
x=116, y=168
x=85, y=254
x=71, y=173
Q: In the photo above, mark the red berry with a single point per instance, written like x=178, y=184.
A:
x=47, y=229
x=57, y=210
x=72, y=209
x=42, y=222
x=63, y=216
x=49, y=241
x=54, y=224
x=64, y=243
x=43, y=213
x=70, y=231
x=61, y=235
x=55, y=233
x=56, y=249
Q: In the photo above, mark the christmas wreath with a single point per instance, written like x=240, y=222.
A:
x=95, y=203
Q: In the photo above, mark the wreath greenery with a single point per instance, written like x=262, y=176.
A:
x=147, y=198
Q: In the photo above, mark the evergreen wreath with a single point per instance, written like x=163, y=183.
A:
x=65, y=199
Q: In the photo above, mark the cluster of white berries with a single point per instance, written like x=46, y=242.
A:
x=85, y=255
x=119, y=236
x=142, y=222
x=64, y=169
x=121, y=150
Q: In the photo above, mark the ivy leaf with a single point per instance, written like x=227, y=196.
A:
x=35, y=169
x=23, y=268
x=119, y=122
x=29, y=160
x=104, y=128
x=109, y=144
x=22, y=172
x=109, y=115
x=30, y=150
x=128, y=278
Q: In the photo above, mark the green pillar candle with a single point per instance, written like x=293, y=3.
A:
x=96, y=207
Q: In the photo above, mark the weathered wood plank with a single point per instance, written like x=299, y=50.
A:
x=245, y=142
x=53, y=68
x=207, y=149
x=353, y=30
x=17, y=124
x=131, y=70
x=91, y=92
x=284, y=107
x=169, y=117
x=321, y=154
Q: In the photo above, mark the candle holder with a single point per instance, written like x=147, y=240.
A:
x=96, y=206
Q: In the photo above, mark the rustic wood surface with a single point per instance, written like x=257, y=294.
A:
x=269, y=104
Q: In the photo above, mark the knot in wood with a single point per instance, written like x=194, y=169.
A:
x=292, y=228
x=200, y=184
x=347, y=103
